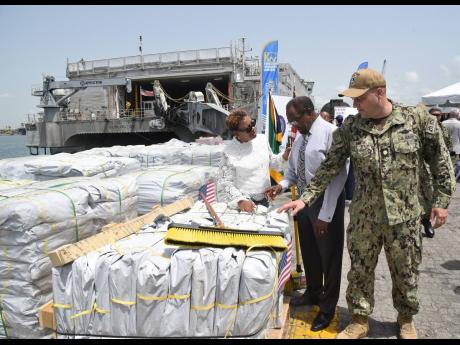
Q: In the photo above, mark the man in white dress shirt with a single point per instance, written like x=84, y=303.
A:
x=453, y=126
x=321, y=226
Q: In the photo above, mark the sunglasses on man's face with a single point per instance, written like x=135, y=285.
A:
x=249, y=128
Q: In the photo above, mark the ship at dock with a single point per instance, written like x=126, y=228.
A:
x=147, y=99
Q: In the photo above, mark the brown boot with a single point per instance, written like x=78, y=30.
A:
x=406, y=327
x=357, y=328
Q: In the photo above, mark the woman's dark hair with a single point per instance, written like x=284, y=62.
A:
x=301, y=104
x=233, y=120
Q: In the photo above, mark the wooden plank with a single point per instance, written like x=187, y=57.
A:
x=113, y=232
x=46, y=317
x=275, y=333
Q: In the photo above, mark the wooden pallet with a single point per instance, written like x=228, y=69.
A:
x=280, y=333
x=46, y=317
x=113, y=232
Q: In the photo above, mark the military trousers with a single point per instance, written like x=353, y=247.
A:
x=403, y=250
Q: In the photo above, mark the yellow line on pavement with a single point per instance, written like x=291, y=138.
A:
x=300, y=322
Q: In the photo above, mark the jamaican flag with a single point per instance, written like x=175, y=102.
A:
x=276, y=128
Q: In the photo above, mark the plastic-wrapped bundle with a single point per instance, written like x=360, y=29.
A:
x=179, y=153
x=143, y=287
x=14, y=169
x=67, y=165
x=160, y=154
x=252, y=318
x=229, y=268
x=198, y=154
x=166, y=184
x=209, y=140
x=113, y=151
x=204, y=278
x=39, y=218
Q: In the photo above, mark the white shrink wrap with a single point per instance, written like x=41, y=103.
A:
x=163, y=185
x=204, y=277
x=37, y=219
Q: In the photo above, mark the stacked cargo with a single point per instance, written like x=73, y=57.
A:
x=45, y=167
x=68, y=165
x=139, y=286
x=38, y=218
x=168, y=183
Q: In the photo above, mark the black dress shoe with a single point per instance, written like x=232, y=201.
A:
x=305, y=299
x=429, y=231
x=321, y=321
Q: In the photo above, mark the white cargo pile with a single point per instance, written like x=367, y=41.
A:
x=39, y=218
x=69, y=165
x=13, y=168
x=165, y=184
x=141, y=287
x=113, y=151
x=208, y=152
x=178, y=152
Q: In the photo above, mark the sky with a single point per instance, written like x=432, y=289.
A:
x=324, y=44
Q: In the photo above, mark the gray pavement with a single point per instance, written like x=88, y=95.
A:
x=439, y=285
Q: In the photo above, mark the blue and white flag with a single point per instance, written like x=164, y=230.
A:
x=269, y=77
x=362, y=66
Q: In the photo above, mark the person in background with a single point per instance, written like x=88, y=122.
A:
x=326, y=116
x=453, y=126
x=244, y=169
x=321, y=226
x=339, y=120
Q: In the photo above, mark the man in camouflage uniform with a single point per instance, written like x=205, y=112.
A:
x=426, y=182
x=388, y=144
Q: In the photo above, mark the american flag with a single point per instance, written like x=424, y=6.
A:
x=209, y=191
x=146, y=93
x=284, y=268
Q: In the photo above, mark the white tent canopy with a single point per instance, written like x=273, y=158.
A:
x=450, y=93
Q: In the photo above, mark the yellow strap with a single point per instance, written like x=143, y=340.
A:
x=100, y=310
x=152, y=298
x=227, y=306
x=62, y=306
x=255, y=300
x=203, y=307
x=118, y=301
x=84, y=312
x=179, y=296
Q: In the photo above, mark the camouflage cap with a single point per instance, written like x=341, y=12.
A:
x=363, y=80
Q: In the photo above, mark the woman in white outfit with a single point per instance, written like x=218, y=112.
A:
x=244, y=169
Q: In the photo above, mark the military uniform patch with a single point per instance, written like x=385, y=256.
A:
x=353, y=79
x=431, y=125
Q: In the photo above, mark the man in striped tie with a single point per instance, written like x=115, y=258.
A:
x=321, y=226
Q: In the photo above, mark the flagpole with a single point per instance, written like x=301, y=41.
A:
x=297, y=274
x=383, y=67
x=142, y=110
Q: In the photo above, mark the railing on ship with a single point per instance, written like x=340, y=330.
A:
x=160, y=59
x=103, y=115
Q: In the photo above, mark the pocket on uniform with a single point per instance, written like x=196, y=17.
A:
x=360, y=151
x=406, y=143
